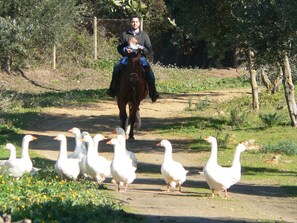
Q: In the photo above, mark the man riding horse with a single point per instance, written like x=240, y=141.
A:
x=146, y=46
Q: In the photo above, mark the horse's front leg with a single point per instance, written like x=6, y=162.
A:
x=123, y=115
x=132, y=117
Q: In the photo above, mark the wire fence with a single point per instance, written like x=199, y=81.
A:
x=93, y=40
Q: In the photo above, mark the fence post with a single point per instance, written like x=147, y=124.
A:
x=95, y=38
x=54, y=57
x=141, y=23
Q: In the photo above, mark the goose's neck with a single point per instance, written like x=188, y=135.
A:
x=123, y=143
x=96, y=145
x=12, y=154
x=91, y=148
x=25, y=149
x=214, y=152
x=236, y=159
x=168, y=154
x=78, y=141
x=119, y=152
x=63, y=149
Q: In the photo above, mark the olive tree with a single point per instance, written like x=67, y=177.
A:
x=26, y=25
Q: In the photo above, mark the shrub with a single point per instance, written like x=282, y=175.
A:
x=271, y=119
x=283, y=147
x=237, y=117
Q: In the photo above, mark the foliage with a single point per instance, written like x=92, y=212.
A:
x=199, y=105
x=60, y=98
x=266, y=26
x=271, y=119
x=13, y=41
x=133, y=7
x=281, y=147
x=174, y=80
x=100, y=64
x=7, y=130
x=7, y=99
x=217, y=31
x=44, y=198
x=238, y=117
x=26, y=25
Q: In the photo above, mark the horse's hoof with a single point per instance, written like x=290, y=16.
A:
x=131, y=139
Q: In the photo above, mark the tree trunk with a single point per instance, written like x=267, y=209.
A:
x=265, y=79
x=289, y=90
x=6, y=65
x=277, y=81
x=253, y=81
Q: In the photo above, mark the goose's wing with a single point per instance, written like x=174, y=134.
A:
x=177, y=171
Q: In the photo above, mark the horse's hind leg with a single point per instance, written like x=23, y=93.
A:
x=137, y=120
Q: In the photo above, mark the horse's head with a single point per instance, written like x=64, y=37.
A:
x=134, y=78
x=136, y=53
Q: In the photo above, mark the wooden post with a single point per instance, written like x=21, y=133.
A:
x=54, y=57
x=253, y=80
x=95, y=38
x=141, y=23
x=289, y=90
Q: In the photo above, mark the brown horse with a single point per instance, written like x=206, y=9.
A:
x=132, y=90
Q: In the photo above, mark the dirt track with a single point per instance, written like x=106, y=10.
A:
x=146, y=197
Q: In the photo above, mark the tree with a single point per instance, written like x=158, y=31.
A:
x=206, y=20
x=31, y=24
x=269, y=28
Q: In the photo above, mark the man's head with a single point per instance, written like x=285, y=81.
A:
x=135, y=22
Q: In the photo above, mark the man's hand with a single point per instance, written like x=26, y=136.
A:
x=128, y=51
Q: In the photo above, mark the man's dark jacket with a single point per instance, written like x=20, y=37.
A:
x=142, y=38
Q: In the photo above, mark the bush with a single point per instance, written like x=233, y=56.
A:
x=271, y=119
x=238, y=117
x=282, y=147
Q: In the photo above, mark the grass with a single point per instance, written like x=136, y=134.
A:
x=46, y=199
x=174, y=80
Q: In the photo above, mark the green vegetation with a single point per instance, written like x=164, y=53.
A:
x=175, y=80
x=281, y=147
x=231, y=122
x=44, y=198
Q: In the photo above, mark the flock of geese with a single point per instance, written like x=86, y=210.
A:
x=85, y=161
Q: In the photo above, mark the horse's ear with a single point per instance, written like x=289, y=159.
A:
x=139, y=51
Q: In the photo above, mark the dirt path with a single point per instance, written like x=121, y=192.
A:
x=248, y=202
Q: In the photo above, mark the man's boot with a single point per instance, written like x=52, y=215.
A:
x=112, y=88
x=114, y=80
x=154, y=95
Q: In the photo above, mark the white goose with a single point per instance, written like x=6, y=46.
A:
x=96, y=139
x=172, y=171
x=235, y=169
x=12, y=150
x=221, y=178
x=80, y=147
x=64, y=166
x=17, y=167
x=121, y=167
x=97, y=167
x=82, y=163
x=129, y=154
x=12, y=155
